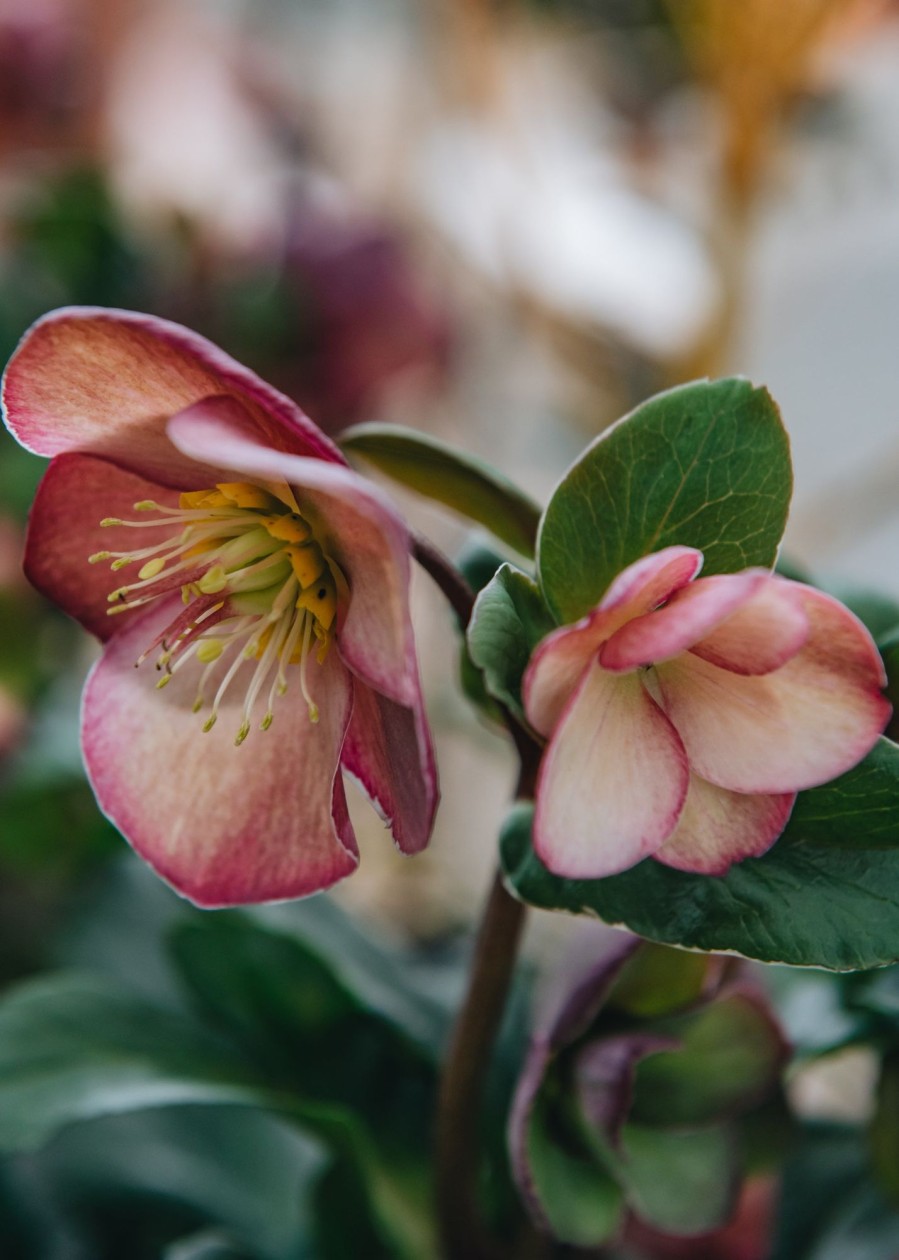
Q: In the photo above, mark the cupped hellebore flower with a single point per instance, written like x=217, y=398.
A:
x=256, y=622
x=684, y=714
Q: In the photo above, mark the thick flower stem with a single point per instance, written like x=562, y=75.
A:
x=458, y=1145
x=459, y=1104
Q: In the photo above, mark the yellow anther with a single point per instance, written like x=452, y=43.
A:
x=151, y=569
x=191, y=500
x=320, y=600
x=197, y=704
x=210, y=650
x=163, y=681
x=313, y=714
x=244, y=495
x=210, y=722
x=146, y=505
x=288, y=528
x=109, y=520
x=267, y=721
x=241, y=734
x=98, y=556
x=308, y=563
x=121, y=563
x=213, y=581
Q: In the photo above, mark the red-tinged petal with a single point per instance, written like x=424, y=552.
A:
x=689, y=616
x=388, y=749
x=358, y=527
x=718, y=828
x=556, y=667
x=223, y=825
x=612, y=782
x=77, y=491
x=766, y=632
x=559, y=661
x=652, y=580
x=804, y=724
x=604, y=1073
x=107, y=381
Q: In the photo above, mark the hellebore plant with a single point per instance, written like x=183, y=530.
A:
x=251, y=593
x=256, y=622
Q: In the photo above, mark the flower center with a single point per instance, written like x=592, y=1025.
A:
x=257, y=586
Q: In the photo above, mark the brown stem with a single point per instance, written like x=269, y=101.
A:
x=459, y=594
x=458, y=1145
x=459, y=1103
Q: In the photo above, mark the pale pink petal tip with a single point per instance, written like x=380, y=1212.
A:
x=613, y=780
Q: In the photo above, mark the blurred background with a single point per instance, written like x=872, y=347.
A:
x=504, y=222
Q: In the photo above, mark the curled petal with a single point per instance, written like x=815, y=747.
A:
x=691, y=614
x=763, y=634
x=359, y=527
x=718, y=828
x=223, y=825
x=802, y=725
x=559, y=661
x=613, y=780
x=388, y=749
x=652, y=580
x=106, y=381
x=64, y=529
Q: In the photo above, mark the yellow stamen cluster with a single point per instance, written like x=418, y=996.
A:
x=262, y=587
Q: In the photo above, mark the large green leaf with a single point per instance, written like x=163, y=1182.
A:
x=809, y=901
x=73, y=1047
x=453, y=478
x=308, y=1033
x=508, y=621
x=706, y=465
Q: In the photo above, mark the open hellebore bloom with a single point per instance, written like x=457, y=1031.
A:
x=256, y=622
x=684, y=714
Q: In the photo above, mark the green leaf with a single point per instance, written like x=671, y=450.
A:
x=807, y=902
x=508, y=621
x=73, y=1047
x=706, y=465
x=680, y=1182
x=581, y=1202
x=729, y=1056
x=307, y=1033
x=459, y=481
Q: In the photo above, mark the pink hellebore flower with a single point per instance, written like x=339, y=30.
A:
x=252, y=562
x=684, y=715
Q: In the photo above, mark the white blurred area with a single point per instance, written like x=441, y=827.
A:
x=572, y=242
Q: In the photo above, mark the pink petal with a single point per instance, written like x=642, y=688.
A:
x=612, y=782
x=691, y=614
x=388, y=749
x=762, y=635
x=555, y=668
x=652, y=580
x=107, y=381
x=359, y=528
x=559, y=661
x=802, y=725
x=223, y=825
x=718, y=828
x=77, y=491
